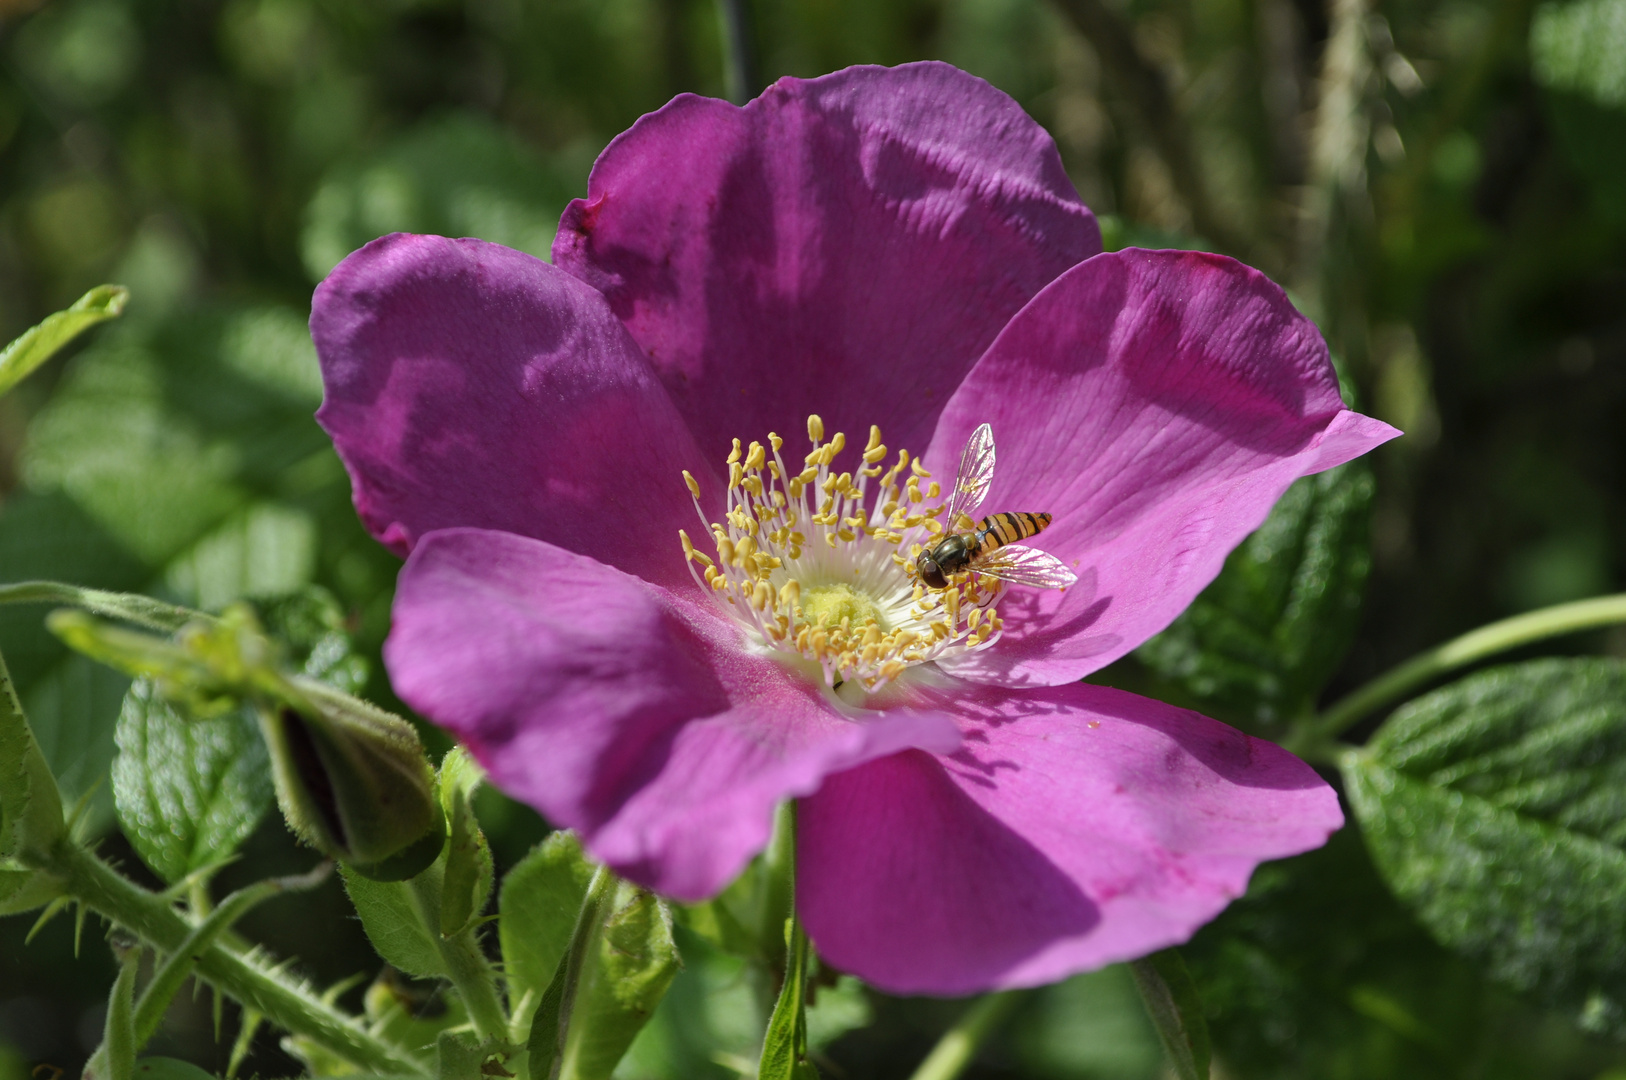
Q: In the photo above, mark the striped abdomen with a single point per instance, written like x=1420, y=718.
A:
x=997, y=530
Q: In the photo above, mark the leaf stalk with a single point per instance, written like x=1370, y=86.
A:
x=250, y=981
x=1470, y=648
x=961, y=1042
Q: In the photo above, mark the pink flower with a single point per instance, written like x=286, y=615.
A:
x=897, y=248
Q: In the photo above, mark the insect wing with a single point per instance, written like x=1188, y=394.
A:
x=1021, y=565
x=976, y=473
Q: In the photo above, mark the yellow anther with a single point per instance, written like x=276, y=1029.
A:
x=934, y=490
x=725, y=549
x=761, y=596
x=734, y=454
x=838, y=443
x=694, y=485
x=892, y=669
x=914, y=467
x=790, y=592
x=756, y=458
x=735, y=474
x=874, y=438
x=815, y=429
x=973, y=618
x=775, y=441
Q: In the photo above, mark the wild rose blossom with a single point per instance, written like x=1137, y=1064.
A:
x=899, y=255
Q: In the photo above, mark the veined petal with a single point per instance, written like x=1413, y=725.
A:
x=846, y=245
x=1077, y=826
x=470, y=384
x=1157, y=403
x=617, y=708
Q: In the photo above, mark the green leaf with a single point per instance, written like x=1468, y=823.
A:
x=188, y=792
x=1581, y=46
x=1260, y=642
x=1176, y=1011
x=31, y=819
x=538, y=905
x=1493, y=808
x=620, y=961
x=25, y=890
x=625, y=979
x=42, y=342
x=389, y=913
x=784, y=1047
x=469, y=871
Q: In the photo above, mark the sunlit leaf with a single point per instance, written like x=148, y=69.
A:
x=1581, y=46
x=42, y=342
x=1496, y=808
x=188, y=792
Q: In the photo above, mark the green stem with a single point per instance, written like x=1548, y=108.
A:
x=243, y=977
x=466, y=964
x=549, y=1046
x=961, y=1042
x=1468, y=649
x=141, y=610
x=778, y=875
x=172, y=972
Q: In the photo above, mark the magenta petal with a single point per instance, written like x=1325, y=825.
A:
x=616, y=708
x=470, y=384
x=1157, y=403
x=846, y=245
x=1077, y=826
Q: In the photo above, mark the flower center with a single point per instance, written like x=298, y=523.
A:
x=819, y=564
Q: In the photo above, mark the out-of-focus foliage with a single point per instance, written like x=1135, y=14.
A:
x=218, y=156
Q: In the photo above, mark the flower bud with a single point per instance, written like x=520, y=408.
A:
x=354, y=783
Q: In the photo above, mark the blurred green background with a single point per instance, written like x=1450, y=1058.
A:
x=1442, y=183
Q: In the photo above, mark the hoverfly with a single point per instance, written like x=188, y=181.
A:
x=989, y=547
